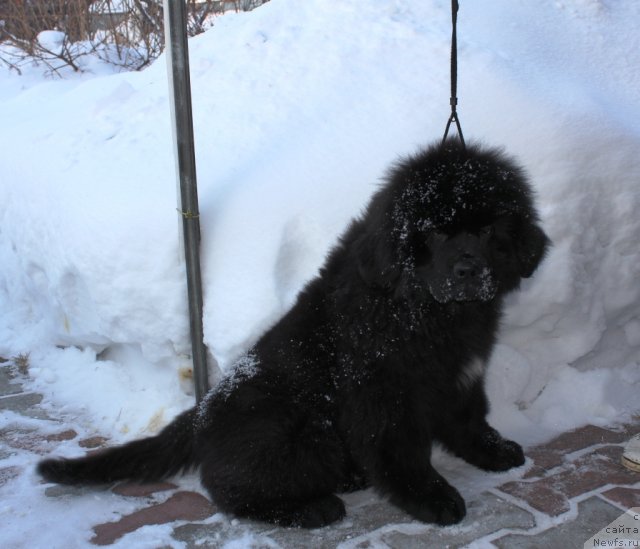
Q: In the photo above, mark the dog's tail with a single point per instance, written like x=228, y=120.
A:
x=146, y=460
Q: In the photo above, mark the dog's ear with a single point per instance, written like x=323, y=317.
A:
x=377, y=260
x=531, y=246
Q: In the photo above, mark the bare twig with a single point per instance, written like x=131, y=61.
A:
x=129, y=34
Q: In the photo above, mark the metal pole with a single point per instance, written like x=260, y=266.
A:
x=180, y=99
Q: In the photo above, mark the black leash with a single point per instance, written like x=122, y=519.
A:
x=454, y=76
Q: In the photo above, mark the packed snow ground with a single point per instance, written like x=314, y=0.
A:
x=299, y=108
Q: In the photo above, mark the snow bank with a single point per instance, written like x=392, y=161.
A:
x=299, y=108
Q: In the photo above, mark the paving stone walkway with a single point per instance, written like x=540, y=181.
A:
x=574, y=487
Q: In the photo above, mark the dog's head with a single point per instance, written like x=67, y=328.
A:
x=457, y=223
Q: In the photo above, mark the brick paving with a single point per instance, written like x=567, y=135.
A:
x=573, y=486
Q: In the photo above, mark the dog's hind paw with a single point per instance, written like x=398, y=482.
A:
x=314, y=513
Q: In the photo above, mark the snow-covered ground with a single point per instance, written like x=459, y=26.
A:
x=299, y=107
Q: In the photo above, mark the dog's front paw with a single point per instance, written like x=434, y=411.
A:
x=317, y=513
x=499, y=454
x=508, y=454
x=442, y=504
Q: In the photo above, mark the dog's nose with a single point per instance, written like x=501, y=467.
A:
x=465, y=269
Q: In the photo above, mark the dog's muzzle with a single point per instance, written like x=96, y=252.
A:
x=469, y=280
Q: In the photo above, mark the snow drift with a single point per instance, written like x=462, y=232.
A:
x=299, y=108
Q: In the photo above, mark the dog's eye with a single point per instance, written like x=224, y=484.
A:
x=501, y=247
x=502, y=250
x=421, y=252
x=489, y=230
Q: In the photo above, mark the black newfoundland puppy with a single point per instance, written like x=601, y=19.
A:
x=382, y=354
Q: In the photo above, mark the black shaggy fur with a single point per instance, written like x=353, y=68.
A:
x=382, y=354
